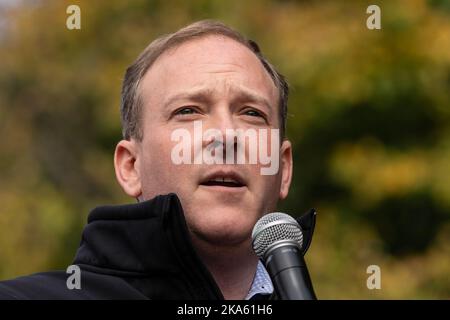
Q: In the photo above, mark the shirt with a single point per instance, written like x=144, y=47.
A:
x=262, y=284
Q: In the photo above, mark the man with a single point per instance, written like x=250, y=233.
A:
x=189, y=235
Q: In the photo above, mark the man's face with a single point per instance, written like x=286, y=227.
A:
x=221, y=83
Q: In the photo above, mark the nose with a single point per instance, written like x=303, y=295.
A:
x=220, y=120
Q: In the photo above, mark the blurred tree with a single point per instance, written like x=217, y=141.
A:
x=369, y=120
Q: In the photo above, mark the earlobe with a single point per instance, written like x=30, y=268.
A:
x=286, y=168
x=126, y=167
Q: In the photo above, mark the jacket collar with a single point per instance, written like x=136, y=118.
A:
x=149, y=241
x=149, y=246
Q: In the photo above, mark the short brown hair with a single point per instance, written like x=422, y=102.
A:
x=131, y=101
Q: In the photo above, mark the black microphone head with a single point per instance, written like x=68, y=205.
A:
x=273, y=229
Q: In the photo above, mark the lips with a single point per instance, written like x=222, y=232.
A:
x=223, y=179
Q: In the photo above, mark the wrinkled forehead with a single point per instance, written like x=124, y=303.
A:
x=216, y=62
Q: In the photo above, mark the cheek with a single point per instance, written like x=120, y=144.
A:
x=156, y=167
x=268, y=190
x=155, y=156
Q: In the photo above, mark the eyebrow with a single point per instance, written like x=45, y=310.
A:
x=203, y=95
x=200, y=95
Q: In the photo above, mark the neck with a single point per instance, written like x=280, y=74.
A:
x=233, y=267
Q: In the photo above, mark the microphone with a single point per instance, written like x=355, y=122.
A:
x=277, y=241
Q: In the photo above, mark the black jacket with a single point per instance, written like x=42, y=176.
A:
x=137, y=251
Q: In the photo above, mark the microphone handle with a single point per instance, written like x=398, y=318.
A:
x=289, y=274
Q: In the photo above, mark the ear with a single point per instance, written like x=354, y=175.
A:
x=286, y=168
x=126, y=164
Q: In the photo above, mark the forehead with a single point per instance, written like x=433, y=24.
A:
x=216, y=62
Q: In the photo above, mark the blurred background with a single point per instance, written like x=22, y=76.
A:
x=369, y=117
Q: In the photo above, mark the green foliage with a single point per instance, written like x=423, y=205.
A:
x=369, y=119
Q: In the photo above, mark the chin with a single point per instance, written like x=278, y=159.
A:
x=224, y=227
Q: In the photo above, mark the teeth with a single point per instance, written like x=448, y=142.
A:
x=224, y=180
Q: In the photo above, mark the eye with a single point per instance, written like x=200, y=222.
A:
x=186, y=111
x=254, y=113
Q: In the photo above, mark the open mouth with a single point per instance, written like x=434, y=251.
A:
x=223, y=179
x=223, y=182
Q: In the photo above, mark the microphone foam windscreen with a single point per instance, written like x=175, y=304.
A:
x=275, y=227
